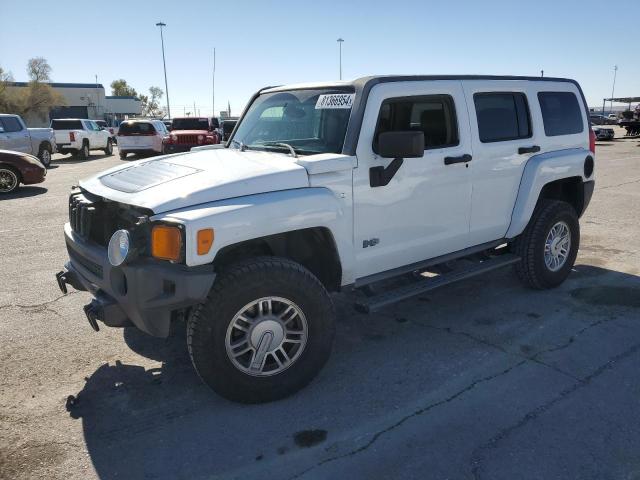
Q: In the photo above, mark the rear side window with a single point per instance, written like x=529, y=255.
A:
x=502, y=116
x=561, y=113
x=10, y=124
x=434, y=115
x=66, y=125
x=136, y=128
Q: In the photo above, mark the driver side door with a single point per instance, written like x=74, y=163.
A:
x=423, y=212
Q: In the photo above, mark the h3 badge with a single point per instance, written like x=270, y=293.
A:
x=372, y=242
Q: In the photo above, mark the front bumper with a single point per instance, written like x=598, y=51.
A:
x=143, y=293
x=178, y=148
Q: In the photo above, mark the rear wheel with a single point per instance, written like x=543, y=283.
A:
x=9, y=179
x=84, y=152
x=109, y=148
x=549, y=245
x=123, y=155
x=44, y=154
x=264, y=332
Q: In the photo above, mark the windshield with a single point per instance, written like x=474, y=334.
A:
x=310, y=121
x=190, y=124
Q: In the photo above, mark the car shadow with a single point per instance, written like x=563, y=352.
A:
x=164, y=423
x=72, y=159
x=24, y=191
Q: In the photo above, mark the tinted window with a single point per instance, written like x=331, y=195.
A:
x=66, y=125
x=11, y=124
x=101, y=123
x=561, y=113
x=502, y=116
x=434, y=115
x=136, y=128
x=227, y=127
x=190, y=124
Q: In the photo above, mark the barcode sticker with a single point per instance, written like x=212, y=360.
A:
x=335, y=100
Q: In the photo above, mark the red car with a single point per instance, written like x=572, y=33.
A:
x=17, y=168
x=187, y=132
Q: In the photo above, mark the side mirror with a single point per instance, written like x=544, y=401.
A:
x=401, y=144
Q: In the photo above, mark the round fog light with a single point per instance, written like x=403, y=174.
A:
x=119, y=246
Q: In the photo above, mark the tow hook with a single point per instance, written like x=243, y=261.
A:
x=62, y=281
x=92, y=313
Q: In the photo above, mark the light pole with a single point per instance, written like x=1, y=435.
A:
x=613, y=88
x=340, y=41
x=164, y=63
x=213, y=85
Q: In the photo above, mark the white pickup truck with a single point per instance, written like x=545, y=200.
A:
x=80, y=136
x=15, y=136
x=330, y=186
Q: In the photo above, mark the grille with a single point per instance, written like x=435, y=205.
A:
x=187, y=139
x=81, y=212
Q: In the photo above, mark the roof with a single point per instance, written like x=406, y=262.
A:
x=623, y=99
x=121, y=97
x=61, y=85
x=374, y=79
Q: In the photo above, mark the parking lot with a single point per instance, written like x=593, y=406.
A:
x=481, y=380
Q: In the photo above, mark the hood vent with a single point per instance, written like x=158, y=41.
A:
x=145, y=175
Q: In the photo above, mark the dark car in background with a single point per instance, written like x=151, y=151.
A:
x=227, y=127
x=188, y=132
x=17, y=168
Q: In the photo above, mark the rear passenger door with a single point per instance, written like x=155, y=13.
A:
x=423, y=212
x=504, y=138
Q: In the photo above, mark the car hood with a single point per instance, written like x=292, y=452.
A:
x=177, y=181
x=190, y=132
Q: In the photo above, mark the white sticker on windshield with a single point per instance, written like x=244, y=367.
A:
x=335, y=100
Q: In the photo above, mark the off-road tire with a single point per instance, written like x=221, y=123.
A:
x=239, y=285
x=529, y=246
x=84, y=152
x=123, y=155
x=109, y=148
x=10, y=171
x=44, y=154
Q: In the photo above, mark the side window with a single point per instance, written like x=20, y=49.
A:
x=11, y=124
x=434, y=115
x=561, y=113
x=502, y=116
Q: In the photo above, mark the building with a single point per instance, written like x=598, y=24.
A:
x=86, y=100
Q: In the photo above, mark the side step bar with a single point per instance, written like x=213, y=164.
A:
x=421, y=286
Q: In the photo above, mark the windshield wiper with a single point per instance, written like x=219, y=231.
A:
x=241, y=146
x=294, y=154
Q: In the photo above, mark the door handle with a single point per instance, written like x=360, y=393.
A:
x=461, y=159
x=532, y=149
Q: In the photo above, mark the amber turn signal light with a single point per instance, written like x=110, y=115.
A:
x=205, y=240
x=166, y=242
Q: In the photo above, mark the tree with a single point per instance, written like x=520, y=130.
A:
x=37, y=99
x=120, y=88
x=38, y=70
x=151, y=104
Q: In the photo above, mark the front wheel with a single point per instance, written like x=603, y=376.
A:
x=9, y=179
x=123, y=155
x=264, y=332
x=549, y=245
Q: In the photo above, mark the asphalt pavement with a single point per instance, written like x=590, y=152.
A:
x=484, y=379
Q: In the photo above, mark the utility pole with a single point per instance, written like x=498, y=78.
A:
x=164, y=63
x=613, y=88
x=97, y=97
x=194, y=108
x=213, y=85
x=340, y=41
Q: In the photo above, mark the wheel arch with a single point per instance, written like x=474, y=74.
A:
x=314, y=248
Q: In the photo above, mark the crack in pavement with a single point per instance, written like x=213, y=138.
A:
x=483, y=341
x=404, y=419
x=619, y=185
x=477, y=458
x=38, y=307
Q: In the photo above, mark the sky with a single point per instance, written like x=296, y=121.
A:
x=260, y=43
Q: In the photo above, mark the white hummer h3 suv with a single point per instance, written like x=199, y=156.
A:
x=326, y=186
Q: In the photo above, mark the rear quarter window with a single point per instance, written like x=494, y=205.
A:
x=561, y=113
x=502, y=116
